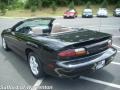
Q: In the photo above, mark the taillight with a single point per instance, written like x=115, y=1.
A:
x=73, y=52
x=71, y=14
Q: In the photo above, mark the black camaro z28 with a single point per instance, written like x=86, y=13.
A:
x=59, y=51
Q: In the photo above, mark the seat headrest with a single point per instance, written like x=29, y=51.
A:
x=56, y=28
x=37, y=30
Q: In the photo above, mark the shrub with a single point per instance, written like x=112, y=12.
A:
x=33, y=8
x=71, y=5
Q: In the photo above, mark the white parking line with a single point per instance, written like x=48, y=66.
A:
x=118, y=51
x=107, y=26
x=37, y=84
x=116, y=63
x=116, y=36
x=100, y=82
x=116, y=46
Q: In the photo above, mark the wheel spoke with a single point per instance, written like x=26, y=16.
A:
x=34, y=65
x=3, y=43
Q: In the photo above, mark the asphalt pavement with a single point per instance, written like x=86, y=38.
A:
x=15, y=72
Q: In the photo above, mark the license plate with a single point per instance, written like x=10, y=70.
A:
x=100, y=64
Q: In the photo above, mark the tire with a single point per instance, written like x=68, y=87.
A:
x=4, y=44
x=73, y=17
x=35, y=65
x=106, y=16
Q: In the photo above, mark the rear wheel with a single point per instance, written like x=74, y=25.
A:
x=64, y=17
x=35, y=65
x=4, y=44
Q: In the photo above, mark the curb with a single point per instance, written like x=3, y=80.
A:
x=2, y=17
x=27, y=17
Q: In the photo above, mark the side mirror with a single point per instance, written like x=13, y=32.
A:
x=9, y=30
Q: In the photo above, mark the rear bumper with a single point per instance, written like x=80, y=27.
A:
x=87, y=16
x=69, y=16
x=105, y=55
x=117, y=15
x=102, y=16
x=70, y=68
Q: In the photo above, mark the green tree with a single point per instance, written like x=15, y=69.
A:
x=88, y=4
x=40, y=3
x=71, y=5
x=2, y=8
x=104, y=4
x=30, y=3
x=54, y=6
x=118, y=4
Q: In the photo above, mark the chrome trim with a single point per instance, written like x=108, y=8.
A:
x=61, y=74
x=99, y=43
x=106, y=54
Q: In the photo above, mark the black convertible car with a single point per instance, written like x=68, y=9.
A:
x=58, y=51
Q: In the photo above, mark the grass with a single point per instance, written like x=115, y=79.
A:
x=48, y=11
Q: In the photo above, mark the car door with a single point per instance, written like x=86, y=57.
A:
x=19, y=37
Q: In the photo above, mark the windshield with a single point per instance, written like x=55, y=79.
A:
x=34, y=23
x=72, y=10
x=37, y=25
x=102, y=11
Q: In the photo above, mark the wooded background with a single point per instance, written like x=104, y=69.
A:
x=41, y=4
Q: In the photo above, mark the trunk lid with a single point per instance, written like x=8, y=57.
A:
x=73, y=39
x=81, y=37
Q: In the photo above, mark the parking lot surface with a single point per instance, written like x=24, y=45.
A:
x=15, y=72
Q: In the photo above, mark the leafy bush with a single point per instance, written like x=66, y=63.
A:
x=33, y=8
x=33, y=4
x=10, y=7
